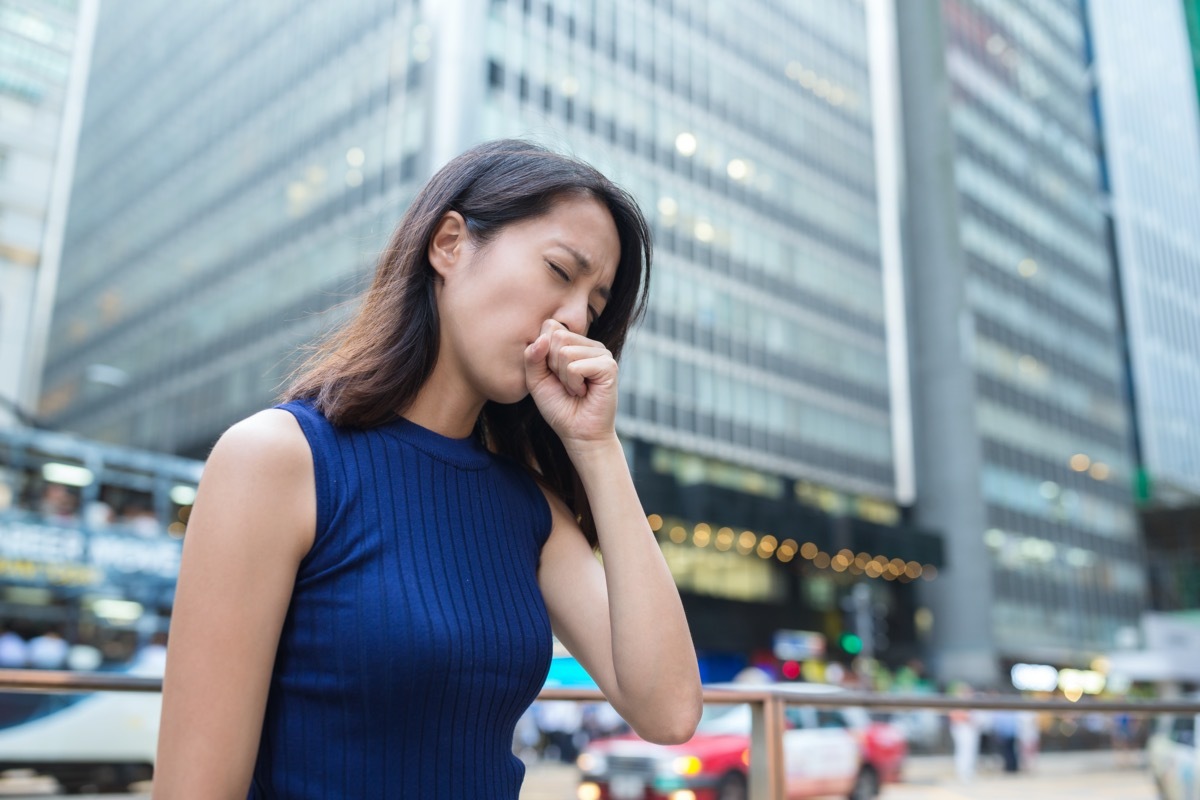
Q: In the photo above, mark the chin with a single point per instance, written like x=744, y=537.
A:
x=507, y=395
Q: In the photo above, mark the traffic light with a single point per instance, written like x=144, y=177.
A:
x=865, y=621
x=879, y=627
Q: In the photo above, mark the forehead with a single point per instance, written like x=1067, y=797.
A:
x=579, y=226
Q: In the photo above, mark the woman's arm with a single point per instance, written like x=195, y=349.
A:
x=624, y=620
x=252, y=523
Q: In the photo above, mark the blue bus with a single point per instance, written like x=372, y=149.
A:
x=90, y=541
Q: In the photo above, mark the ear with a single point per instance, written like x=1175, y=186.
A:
x=448, y=243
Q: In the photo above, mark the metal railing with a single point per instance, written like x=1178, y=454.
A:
x=767, y=704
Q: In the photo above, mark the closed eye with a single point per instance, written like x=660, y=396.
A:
x=593, y=314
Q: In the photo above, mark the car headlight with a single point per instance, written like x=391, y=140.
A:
x=682, y=765
x=591, y=763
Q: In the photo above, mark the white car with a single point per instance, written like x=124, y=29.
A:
x=1172, y=756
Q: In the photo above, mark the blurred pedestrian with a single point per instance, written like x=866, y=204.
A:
x=964, y=733
x=14, y=650
x=1005, y=727
x=1124, y=739
x=58, y=504
x=151, y=658
x=84, y=657
x=601, y=719
x=48, y=651
x=372, y=568
x=1029, y=738
x=562, y=722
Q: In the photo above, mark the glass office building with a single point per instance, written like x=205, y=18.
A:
x=748, y=141
x=239, y=168
x=1151, y=121
x=1053, y=547
x=757, y=397
x=239, y=173
x=44, y=53
x=1191, y=9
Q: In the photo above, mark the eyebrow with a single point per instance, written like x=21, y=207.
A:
x=585, y=266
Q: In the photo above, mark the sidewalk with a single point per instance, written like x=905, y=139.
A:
x=1053, y=776
x=938, y=769
x=1093, y=775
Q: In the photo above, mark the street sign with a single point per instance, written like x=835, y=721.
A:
x=798, y=645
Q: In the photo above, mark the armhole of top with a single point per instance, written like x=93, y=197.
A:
x=542, y=505
x=314, y=432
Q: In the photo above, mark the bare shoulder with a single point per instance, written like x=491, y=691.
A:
x=269, y=443
x=261, y=462
x=272, y=434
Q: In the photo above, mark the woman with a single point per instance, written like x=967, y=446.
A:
x=373, y=567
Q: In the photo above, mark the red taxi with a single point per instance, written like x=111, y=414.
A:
x=827, y=752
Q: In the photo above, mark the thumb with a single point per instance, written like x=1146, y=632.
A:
x=536, y=368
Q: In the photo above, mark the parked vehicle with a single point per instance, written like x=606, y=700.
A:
x=839, y=752
x=1172, y=757
x=97, y=742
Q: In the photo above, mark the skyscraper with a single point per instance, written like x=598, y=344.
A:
x=750, y=137
x=1150, y=113
x=1024, y=438
x=1191, y=10
x=238, y=175
x=239, y=167
x=44, y=54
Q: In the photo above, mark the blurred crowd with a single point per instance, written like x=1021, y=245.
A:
x=57, y=504
x=51, y=649
x=558, y=730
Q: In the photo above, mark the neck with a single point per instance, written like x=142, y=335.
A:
x=445, y=406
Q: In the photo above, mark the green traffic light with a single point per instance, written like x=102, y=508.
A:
x=851, y=643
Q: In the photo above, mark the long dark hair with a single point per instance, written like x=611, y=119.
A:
x=377, y=362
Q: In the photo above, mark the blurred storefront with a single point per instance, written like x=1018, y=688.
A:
x=755, y=554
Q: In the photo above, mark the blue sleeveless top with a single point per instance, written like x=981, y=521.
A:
x=417, y=634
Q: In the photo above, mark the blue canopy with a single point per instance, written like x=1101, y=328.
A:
x=567, y=673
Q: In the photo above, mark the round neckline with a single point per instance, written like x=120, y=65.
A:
x=468, y=452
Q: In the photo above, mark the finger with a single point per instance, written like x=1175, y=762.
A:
x=564, y=335
x=560, y=357
x=561, y=338
x=599, y=369
x=551, y=326
x=537, y=367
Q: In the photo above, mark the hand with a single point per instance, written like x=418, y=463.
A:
x=573, y=380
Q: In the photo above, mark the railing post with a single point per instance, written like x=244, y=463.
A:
x=766, y=749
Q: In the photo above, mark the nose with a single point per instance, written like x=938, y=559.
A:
x=574, y=316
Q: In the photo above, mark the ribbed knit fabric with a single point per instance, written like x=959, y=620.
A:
x=417, y=634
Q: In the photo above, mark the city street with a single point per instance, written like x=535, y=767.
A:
x=899, y=461
x=1057, y=777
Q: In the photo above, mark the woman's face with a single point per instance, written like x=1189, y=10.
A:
x=493, y=301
